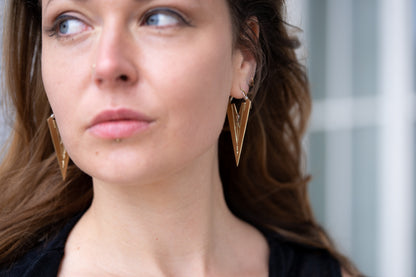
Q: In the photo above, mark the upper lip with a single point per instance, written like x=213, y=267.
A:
x=118, y=115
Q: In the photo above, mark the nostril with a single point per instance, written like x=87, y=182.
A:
x=124, y=78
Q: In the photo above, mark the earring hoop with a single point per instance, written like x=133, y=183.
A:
x=244, y=93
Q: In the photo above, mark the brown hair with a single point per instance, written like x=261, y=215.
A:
x=268, y=189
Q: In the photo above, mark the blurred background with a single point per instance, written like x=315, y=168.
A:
x=361, y=149
x=3, y=126
x=360, y=55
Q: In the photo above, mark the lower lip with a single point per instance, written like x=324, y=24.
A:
x=118, y=129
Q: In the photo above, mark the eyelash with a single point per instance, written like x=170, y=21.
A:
x=53, y=31
x=165, y=11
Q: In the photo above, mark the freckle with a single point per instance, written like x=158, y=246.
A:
x=97, y=153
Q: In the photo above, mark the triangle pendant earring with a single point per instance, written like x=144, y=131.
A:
x=238, y=123
x=60, y=151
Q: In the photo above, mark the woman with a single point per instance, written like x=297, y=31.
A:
x=139, y=92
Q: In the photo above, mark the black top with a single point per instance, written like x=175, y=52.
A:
x=286, y=258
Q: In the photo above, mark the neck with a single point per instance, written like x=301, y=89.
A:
x=164, y=216
x=167, y=224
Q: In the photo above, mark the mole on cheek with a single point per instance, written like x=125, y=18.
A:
x=97, y=153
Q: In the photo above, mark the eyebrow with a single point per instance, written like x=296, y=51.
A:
x=87, y=0
x=47, y=4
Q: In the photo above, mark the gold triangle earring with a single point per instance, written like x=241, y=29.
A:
x=238, y=123
x=60, y=151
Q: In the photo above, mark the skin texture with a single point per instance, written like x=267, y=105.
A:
x=158, y=207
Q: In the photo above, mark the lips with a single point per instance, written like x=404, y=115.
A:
x=118, y=124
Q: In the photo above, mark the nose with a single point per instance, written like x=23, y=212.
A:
x=114, y=63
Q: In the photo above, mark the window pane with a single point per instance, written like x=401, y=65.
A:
x=364, y=193
x=414, y=44
x=317, y=47
x=316, y=163
x=365, y=47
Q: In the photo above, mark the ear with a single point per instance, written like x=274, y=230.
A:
x=245, y=63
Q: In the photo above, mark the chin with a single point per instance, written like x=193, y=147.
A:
x=127, y=175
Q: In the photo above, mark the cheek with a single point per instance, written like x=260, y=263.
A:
x=61, y=79
x=196, y=88
x=64, y=74
x=64, y=84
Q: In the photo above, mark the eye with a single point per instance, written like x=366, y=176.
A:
x=163, y=18
x=65, y=26
x=70, y=26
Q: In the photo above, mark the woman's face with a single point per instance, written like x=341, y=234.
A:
x=139, y=88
